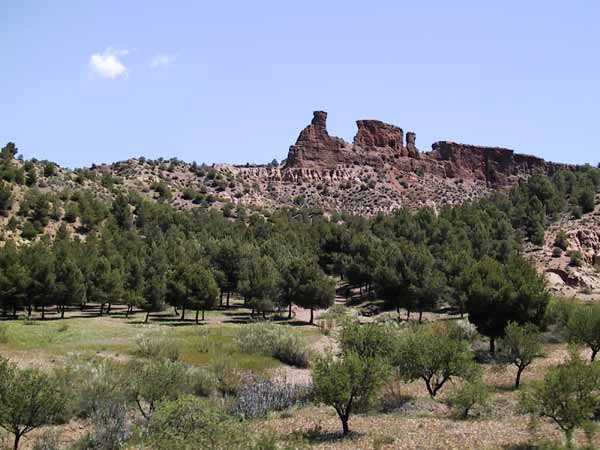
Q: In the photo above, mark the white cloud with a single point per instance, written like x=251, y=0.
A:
x=162, y=60
x=108, y=64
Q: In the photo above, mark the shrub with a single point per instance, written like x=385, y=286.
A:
x=202, y=382
x=155, y=344
x=274, y=340
x=576, y=259
x=557, y=252
x=391, y=397
x=467, y=396
x=190, y=423
x=49, y=441
x=156, y=381
x=259, y=396
x=3, y=334
x=107, y=430
x=95, y=386
x=228, y=376
x=559, y=311
x=561, y=240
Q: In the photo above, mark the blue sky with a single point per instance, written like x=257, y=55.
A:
x=235, y=81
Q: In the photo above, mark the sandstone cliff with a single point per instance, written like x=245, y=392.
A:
x=385, y=147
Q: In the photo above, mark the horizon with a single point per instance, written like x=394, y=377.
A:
x=235, y=83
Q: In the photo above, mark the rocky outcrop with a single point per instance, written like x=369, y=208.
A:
x=314, y=148
x=377, y=134
x=383, y=146
x=494, y=165
x=375, y=144
x=411, y=148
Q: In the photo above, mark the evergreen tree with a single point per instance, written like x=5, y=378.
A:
x=259, y=283
x=502, y=293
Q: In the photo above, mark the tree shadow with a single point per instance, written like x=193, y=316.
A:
x=319, y=437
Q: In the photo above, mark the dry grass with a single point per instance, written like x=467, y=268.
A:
x=418, y=423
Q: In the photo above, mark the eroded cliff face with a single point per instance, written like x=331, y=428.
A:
x=385, y=147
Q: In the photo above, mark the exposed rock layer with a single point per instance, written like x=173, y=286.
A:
x=382, y=146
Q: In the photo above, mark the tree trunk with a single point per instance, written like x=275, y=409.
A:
x=290, y=311
x=147, y=317
x=127, y=312
x=221, y=301
x=29, y=311
x=311, y=316
x=108, y=308
x=228, y=299
x=43, y=312
x=420, y=316
x=594, y=353
x=17, y=439
x=345, y=426
x=407, y=314
x=62, y=312
x=182, y=314
x=14, y=311
x=518, y=380
x=493, y=346
x=197, y=312
x=202, y=314
x=101, y=309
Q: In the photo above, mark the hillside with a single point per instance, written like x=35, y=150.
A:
x=380, y=171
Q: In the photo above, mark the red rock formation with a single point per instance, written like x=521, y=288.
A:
x=314, y=148
x=375, y=144
x=378, y=144
x=374, y=133
x=411, y=149
x=494, y=165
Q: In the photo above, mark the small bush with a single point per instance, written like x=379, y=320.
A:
x=3, y=334
x=391, y=398
x=274, y=340
x=227, y=375
x=468, y=396
x=561, y=241
x=25, y=320
x=155, y=344
x=202, y=382
x=576, y=259
x=49, y=441
x=259, y=396
x=557, y=252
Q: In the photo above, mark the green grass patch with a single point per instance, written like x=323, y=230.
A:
x=47, y=341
